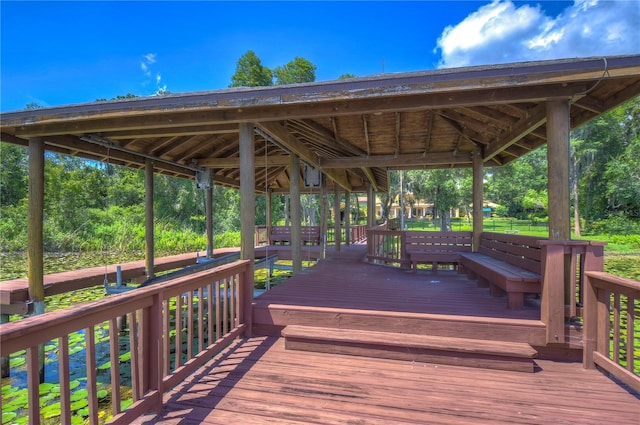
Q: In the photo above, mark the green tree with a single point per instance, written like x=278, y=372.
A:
x=13, y=174
x=250, y=72
x=440, y=187
x=299, y=70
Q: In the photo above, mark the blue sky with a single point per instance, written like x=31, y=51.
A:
x=57, y=53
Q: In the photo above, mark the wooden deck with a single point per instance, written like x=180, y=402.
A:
x=257, y=381
x=17, y=290
x=345, y=292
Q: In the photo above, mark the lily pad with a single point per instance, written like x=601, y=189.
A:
x=17, y=361
x=102, y=394
x=7, y=417
x=51, y=411
x=79, y=395
x=45, y=388
x=80, y=404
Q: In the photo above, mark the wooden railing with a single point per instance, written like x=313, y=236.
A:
x=386, y=247
x=261, y=235
x=358, y=233
x=610, y=324
x=174, y=328
x=565, y=261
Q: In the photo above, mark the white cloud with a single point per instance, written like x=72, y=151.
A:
x=500, y=32
x=150, y=58
x=145, y=65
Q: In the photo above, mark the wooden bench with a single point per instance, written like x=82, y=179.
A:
x=506, y=263
x=281, y=235
x=436, y=247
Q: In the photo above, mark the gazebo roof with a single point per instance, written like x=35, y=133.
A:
x=355, y=130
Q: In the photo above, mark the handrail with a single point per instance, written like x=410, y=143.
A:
x=608, y=299
x=182, y=311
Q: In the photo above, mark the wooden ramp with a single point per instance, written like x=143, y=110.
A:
x=257, y=381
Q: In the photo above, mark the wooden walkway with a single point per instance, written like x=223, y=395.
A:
x=17, y=290
x=257, y=381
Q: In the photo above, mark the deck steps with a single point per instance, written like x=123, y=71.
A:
x=468, y=352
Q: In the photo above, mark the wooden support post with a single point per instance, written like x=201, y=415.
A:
x=247, y=192
x=296, y=233
x=371, y=206
x=35, y=225
x=347, y=218
x=269, y=213
x=336, y=212
x=148, y=219
x=209, y=213
x=558, y=123
x=247, y=215
x=558, y=126
x=478, y=178
x=323, y=217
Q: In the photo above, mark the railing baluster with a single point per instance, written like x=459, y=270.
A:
x=200, y=320
x=33, y=382
x=225, y=308
x=616, y=326
x=233, y=301
x=631, y=317
x=92, y=381
x=190, y=325
x=133, y=348
x=178, y=337
x=210, y=313
x=218, y=315
x=114, y=356
x=166, y=338
x=63, y=372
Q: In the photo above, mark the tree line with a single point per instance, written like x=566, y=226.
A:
x=96, y=206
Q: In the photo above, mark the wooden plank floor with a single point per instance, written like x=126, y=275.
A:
x=343, y=280
x=257, y=381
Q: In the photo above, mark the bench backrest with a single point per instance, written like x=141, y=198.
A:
x=521, y=251
x=307, y=233
x=416, y=241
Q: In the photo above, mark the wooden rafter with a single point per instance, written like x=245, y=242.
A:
x=289, y=142
x=399, y=160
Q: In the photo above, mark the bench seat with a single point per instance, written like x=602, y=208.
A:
x=506, y=263
x=436, y=247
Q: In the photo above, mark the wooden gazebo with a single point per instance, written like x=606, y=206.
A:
x=354, y=131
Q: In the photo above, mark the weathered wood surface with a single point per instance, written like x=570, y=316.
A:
x=447, y=350
x=257, y=381
x=509, y=263
x=16, y=290
x=344, y=292
x=436, y=247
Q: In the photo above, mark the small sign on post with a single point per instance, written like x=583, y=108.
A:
x=312, y=176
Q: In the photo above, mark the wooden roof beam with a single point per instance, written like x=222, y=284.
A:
x=371, y=177
x=288, y=141
x=172, y=131
x=384, y=161
x=462, y=132
x=535, y=118
x=332, y=107
x=234, y=162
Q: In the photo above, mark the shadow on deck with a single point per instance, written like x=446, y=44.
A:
x=262, y=380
